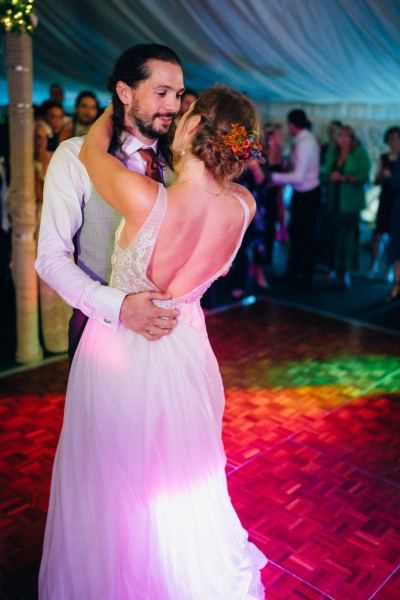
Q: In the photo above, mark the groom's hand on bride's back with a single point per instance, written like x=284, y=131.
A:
x=140, y=314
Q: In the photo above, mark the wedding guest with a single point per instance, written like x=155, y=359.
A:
x=53, y=114
x=386, y=199
x=257, y=249
x=394, y=232
x=56, y=93
x=42, y=156
x=323, y=223
x=5, y=232
x=333, y=132
x=276, y=211
x=243, y=267
x=54, y=312
x=346, y=170
x=87, y=110
x=257, y=244
x=304, y=177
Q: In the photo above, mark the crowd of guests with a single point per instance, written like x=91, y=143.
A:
x=52, y=120
x=320, y=222
x=329, y=186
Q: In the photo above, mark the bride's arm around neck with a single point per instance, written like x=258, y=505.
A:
x=130, y=193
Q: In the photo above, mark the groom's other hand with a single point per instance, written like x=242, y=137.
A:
x=140, y=314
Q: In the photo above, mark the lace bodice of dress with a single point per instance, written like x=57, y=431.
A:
x=130, y=265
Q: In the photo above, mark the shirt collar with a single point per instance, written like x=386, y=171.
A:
x=131, y=145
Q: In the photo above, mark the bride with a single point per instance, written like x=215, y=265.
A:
x=139, y=507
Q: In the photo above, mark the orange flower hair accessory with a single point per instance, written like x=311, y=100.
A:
x=244, y=144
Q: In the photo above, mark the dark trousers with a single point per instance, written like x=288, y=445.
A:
x=76, y=326
x=237, y=276
x=265, y=238
x=303, y=219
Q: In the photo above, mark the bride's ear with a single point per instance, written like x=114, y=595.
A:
x=192, y=123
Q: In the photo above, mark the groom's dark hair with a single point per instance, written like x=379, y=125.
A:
x=132, y=68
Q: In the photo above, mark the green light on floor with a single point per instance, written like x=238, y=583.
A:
x=363, y=373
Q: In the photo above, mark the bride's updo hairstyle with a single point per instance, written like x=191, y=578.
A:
x=221, y=107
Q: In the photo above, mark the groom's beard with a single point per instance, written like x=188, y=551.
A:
x=150, y=126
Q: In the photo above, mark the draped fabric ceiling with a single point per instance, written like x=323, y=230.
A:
x=318, y=52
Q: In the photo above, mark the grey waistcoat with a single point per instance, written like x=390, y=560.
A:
x=94, y=242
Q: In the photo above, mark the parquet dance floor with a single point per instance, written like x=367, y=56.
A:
x=312, y=438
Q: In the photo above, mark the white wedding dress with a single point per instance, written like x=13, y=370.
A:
x=139, y=507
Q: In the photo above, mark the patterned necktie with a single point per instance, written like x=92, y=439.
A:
x=152, y=166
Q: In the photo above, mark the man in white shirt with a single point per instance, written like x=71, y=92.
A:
x=304, y=177
x=77, y=228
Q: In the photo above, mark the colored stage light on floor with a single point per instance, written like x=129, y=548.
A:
x=360, y=375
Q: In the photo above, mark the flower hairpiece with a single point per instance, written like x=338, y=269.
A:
x=244, y=144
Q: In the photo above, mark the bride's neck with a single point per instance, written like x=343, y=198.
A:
x=192, y=169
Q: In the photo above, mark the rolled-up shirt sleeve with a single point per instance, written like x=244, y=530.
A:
x=67, y=187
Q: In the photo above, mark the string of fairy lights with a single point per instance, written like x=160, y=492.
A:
x=17, y=16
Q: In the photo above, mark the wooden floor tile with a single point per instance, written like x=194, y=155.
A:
x=311, y=435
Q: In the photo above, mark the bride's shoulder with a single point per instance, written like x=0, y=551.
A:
x=240, y=190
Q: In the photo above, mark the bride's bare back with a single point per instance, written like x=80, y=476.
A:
x=198, y=236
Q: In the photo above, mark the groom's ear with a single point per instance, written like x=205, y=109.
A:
x=124, y=92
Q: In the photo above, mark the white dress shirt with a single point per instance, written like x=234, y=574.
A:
x=305, y=159
x=67, y=190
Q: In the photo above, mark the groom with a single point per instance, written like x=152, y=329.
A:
x=77, y=228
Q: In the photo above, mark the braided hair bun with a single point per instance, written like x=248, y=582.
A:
x=219, y=108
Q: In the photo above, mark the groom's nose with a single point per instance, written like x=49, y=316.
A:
x=172, y=103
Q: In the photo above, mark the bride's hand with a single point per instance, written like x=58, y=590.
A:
x=98, y=137
x=104, y=123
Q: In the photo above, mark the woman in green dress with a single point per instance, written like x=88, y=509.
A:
x=345, y=171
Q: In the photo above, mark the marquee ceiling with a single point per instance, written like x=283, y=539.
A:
x=318, y=51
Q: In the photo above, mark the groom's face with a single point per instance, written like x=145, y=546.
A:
x=156, y=100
